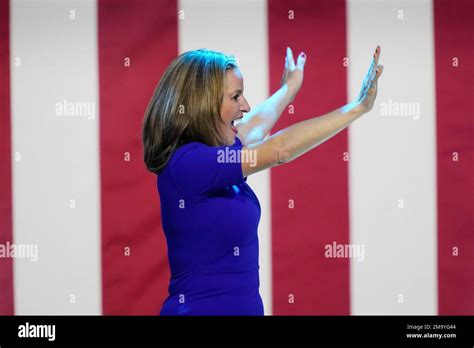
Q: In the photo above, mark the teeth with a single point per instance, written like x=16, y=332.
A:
x=236, y=122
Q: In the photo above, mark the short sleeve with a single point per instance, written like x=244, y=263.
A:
x=197, y=168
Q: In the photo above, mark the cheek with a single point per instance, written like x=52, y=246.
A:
x=227, y=113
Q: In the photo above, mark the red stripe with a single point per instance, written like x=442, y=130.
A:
x=6, y=225
x=146, y=32
x=454, y=27
x=317, y=181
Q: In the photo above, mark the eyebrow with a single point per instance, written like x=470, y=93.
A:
x=237, y=90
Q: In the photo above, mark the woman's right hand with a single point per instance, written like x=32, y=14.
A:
x=368, y=93
x=293, y=73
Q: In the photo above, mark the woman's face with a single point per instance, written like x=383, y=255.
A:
x=233, y=105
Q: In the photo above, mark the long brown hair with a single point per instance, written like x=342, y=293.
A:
x=185, y=105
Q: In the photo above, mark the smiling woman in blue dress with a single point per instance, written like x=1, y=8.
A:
x=203, y=140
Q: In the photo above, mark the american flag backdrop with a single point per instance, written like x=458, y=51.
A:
x=80, y=225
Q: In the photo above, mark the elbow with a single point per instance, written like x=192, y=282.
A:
x=282, y=157
x=282, y=153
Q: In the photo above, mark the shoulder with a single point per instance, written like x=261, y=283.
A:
x=187, y=152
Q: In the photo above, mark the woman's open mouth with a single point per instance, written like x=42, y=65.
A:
x=234, y=123
x=232, y=126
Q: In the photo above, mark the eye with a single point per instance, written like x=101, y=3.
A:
x=236, y=97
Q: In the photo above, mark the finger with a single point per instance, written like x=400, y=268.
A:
x=370, y=71
x=368, y=77
x=379, y=72
x=373, y=83
x=377, y=69
x=301, y=61
x=374, y=65
x=377, y=55
x=291, y=60
x=367, y=84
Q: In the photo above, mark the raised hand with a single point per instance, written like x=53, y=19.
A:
x=293, y=73
x=368, y=92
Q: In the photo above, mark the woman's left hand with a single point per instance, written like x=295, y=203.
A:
x=293, y=73
x=368, y=92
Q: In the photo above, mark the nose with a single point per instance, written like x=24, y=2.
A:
x=245, y=107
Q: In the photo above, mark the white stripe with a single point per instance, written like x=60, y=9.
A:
x=240, y=30
x=392, y=158
x=59, y=157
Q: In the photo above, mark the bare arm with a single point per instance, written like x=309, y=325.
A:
x=291, y=142
x=295, y=140
x=256, y=124
x=259, y=121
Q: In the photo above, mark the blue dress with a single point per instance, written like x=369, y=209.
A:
x=210, y=217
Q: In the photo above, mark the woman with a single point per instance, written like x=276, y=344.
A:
x=203, y=157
